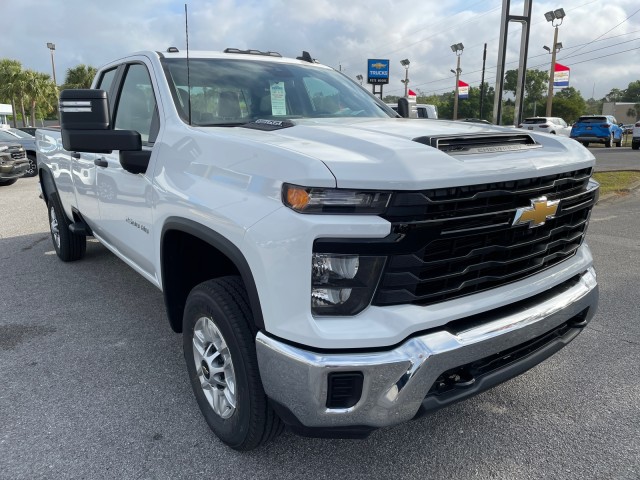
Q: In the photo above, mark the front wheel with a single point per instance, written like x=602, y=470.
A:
x=32, y=171
x=4, y=183
x=68, y=245
x=219, y=348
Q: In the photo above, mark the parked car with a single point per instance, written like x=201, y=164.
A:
x=635, y=136
x=597, y=129
x=27, y=141
x=627, y=128
x=424, y=110
x=554, y=125
x=13, y=162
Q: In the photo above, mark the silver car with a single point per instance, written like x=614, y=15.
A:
x=27, y=141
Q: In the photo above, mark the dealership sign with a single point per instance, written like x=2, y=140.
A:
x=463, y=89
x=561, y=76
x=377, y=71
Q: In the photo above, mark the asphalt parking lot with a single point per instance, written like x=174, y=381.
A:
x=94, y=383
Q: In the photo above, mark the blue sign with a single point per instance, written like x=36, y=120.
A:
x=377, y=71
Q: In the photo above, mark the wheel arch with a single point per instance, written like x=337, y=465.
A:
x=183, y=244
x=47, y=183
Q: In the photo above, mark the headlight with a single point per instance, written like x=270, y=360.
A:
x=334, y=200
x=343, y=284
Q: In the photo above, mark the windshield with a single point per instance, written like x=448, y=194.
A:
x=232, y=92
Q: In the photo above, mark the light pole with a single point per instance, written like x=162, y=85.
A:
x=405, y=63
x=52, y=47
x=457, y=49
x=552, y=17
x=360, y=78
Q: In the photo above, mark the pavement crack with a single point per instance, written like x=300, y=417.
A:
x=631, y=342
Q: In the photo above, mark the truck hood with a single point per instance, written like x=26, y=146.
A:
x=383, y=153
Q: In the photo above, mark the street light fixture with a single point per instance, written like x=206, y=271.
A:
x=405, y=63
x=555, y=17
x=457, y=48
x=52, y=47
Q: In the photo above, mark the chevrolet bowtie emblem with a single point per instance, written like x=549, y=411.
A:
x=538, y=213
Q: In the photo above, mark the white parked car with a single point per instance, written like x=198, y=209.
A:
x=553, y=125
x=635, y=136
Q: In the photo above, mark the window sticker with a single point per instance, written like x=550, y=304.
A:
x=278, y=103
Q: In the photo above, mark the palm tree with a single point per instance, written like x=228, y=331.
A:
x=79, y=77
x=10, y=71
x=40, y=90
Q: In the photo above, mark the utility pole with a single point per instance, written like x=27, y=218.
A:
x=484, y=61
x=457, y=49
x=552, y=16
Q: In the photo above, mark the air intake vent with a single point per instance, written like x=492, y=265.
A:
x=344, y=389
x=478, y=144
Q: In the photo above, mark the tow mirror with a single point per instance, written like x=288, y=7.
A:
x=85, y=124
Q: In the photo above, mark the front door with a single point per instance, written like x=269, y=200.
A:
x=126, y=198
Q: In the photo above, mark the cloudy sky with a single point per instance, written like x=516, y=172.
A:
x=601, y=39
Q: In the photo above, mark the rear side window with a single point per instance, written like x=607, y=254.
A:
x=535, y=121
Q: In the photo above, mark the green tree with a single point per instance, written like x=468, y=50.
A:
x=536, y=83
x=632, y=92
x=568, y=104
x=634, y=111
x=615, y=95
x=80, y=76
x=40, y=90
x=10, y=72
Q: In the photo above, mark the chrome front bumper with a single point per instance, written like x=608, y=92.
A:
x=397, y=381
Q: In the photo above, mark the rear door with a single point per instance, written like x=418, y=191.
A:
x=126, y=198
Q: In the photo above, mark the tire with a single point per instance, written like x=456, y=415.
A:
x=5, y=183
x=68, y=246
x=635, y=146
x=619, y=143
x=32, y=171
x=219, y=344
x=586, y=144
x=608, y=142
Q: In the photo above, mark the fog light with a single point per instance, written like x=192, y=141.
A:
x=343, y=284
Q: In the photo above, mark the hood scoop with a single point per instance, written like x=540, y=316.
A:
x=479, y=144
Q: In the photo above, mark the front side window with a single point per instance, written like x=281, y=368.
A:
x=106, y=80
x=136, y=109
x=225, y=92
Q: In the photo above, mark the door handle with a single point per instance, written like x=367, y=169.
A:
x=75, y=154
x=101, y=162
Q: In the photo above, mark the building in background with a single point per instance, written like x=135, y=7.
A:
x=620, y=111
x=5, y=112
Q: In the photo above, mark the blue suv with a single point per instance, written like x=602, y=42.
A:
x=597, y=129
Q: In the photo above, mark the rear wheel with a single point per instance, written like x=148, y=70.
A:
x=586, y=144
x=608, y=142
x=4, y=183
x=68, y=246
x=619, y=143
x=635, y=146
x=219, y=348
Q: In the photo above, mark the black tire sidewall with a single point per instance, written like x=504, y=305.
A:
x=232, y=431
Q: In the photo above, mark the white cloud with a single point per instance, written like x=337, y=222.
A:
x=337, y=32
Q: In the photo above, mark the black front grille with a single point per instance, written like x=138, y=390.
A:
x=459, y=241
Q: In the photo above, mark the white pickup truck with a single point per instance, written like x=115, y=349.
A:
x=331, y=267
